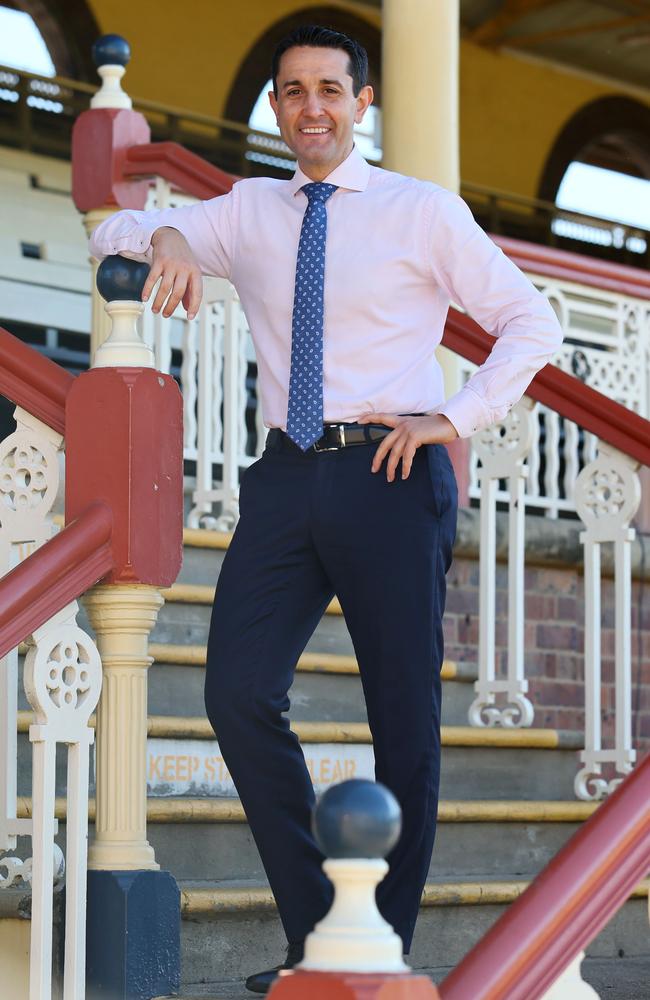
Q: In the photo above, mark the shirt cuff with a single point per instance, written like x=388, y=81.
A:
x=137, y=245
x=467, y=412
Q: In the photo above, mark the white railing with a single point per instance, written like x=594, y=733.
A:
x=62, y=680
x=606, y=345
x=217, y=370
x=607, y=495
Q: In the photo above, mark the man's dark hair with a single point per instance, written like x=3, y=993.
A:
x=317, y=37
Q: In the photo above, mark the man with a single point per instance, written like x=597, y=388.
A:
x=346, y=273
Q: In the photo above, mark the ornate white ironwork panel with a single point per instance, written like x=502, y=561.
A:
x=63, y=679
x=502, y=451
x=608, y=493
x=607, y=346
x=29, y=481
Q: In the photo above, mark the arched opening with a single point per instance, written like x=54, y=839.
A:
x=68, y=32
x=600, y=166
x=22, y=45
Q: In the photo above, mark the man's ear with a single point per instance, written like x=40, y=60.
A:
x=364, y=100
x=273, y=101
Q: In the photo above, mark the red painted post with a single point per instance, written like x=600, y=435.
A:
x=352, y=986
x=124, y=446
x=101, y=139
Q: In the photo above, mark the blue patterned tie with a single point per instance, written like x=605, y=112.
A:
x=305, y=409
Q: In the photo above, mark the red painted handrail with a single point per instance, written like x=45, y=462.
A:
x=553, y=263
x=34, y=382
x=567, y=904
x=184, y=170
x=568, y=396
x=57, y=573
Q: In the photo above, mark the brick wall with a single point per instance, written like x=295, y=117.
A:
x=554, y=635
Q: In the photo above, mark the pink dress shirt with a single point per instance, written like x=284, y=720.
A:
x=398, y=252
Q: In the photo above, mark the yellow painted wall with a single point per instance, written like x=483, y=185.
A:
x=192, y=63
x=512, y=109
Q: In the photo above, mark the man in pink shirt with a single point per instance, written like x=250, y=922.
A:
x=346, y=273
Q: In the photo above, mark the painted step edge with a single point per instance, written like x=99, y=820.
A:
x=203, y=593
x=180, y=655
x=323, y=663
x=226, y=810
x=209, y=900
x=203, y=538
x=198, y=728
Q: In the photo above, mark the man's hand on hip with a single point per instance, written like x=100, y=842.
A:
x=406, y=437
x=173, y=262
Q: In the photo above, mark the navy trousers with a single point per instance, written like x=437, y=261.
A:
x=313, y=525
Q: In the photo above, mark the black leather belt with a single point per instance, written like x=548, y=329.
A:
x=337, y=436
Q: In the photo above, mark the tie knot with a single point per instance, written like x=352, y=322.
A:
x=319, y=191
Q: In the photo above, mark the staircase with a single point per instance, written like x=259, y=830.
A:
x=507, y=804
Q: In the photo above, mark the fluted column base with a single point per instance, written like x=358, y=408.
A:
x=122, y=617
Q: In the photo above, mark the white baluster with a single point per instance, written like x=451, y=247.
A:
x=162, y=326
x=217, y=362
x=570, y=985
x=571, y=459
x=242, y=366
x=209, y=407
x=552, y=457
x=63, y=682
x=502, y=450
x=608, y=493
x=534, y=455
x=231, y=393
x=29, y=482
x=189, y=376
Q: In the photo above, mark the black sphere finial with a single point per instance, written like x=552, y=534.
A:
x=121, y=279
x=357, y=819
x=111, y=50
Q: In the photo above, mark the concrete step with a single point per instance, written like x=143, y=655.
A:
x=465, y=847
x=220, y=920
x=512, y=764
x=326, y=686
x=210, y=838
x=185, y=617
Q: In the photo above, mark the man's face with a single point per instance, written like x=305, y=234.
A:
x=316, y=108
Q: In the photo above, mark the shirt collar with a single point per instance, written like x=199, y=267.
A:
x=352, y=174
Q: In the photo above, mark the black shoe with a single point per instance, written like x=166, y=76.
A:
x=261, y=982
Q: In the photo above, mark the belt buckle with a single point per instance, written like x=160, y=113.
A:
x=334, y=447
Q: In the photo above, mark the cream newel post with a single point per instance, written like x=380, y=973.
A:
x=122, y=618
x=125, y=444
x=101, y=138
